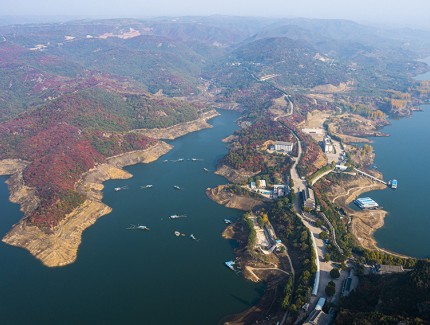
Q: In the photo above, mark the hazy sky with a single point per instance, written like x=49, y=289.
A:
x=396, y=12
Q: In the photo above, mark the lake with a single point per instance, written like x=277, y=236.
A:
x=129, y=276
x=405, y=156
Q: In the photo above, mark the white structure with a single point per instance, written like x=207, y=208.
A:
x=283, y=146
x=261, y=183
x=253, y=186
x=342, y=168
x=328, y=146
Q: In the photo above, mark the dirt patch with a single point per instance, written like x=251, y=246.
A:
x=354, y=125
x=342, y=192
x=221, y=196
x=332, y=89
x=234, y=175
x=315, y=119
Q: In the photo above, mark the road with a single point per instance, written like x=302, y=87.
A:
x=324, y=267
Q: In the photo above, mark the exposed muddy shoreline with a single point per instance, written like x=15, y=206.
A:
x=60, y=246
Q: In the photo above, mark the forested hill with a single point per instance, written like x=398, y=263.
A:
x=71, y=92
x=390, y=299
x=67, y=136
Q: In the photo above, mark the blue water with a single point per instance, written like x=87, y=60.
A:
x=405, y=156
x=129, y=276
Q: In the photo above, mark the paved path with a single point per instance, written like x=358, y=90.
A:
x=370, y=176
x=321, y=176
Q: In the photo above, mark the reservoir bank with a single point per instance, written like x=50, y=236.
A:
x=131, y=276
x=405, y=156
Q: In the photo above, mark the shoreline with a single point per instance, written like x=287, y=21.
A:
x=179, y=130
x=364, y=223
x=61, y=246
x=219, y=195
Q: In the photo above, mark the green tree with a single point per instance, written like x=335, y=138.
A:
x=327, y=257
x=334, y=273
x=323, y=235
x=330, y=289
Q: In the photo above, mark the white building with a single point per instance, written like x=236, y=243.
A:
x=261, y=183
x=342, y=168
x=283, y=146
x=328, y=146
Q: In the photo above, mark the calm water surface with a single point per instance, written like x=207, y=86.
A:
x=130, y=276
x=405, y=155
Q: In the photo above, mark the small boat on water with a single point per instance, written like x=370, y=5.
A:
x=227, y=221
x=176, y=187
x=392, y=183
x=146, y=186
x=177, y=233
x=165, y=160
x=120, y=188
x=230, y=265
x=206, y=170
x=138, y=227
x=176, y=216
x=193, y=237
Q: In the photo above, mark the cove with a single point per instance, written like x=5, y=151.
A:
x=405, y=156
x=130, y=276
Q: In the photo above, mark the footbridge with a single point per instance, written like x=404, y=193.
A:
x=370, y=176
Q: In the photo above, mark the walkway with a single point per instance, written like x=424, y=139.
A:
x=256, y=277
x=316, y=179
x=370, y=176
x=332, y=232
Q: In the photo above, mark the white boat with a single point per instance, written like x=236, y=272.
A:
x=120, y=188
x=177, y=233
x=227, y=221
x=176, y=216
x=146, y=186
x=205, y=169
x=193, y=237
x=176, y=187
x=138, y=227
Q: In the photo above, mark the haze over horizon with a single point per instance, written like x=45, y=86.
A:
x=384, y=12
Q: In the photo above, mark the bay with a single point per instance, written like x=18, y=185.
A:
x=130, y=276
x=405, y=156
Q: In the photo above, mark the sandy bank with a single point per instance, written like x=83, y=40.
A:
x=230, y=200
x=60, y=247
x=19, y=193
x=234, y=175
x=179, y=130
x=363, y=223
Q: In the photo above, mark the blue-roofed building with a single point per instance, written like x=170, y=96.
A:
x=366, y=203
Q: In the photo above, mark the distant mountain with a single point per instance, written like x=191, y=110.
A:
x=71, y=92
